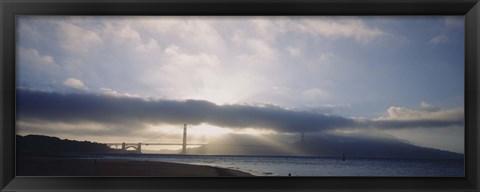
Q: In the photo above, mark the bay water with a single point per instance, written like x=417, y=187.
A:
x=315, y=166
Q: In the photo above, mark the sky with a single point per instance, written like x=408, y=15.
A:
x=115, y=79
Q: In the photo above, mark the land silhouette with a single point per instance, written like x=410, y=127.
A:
x=39, y=155
x=322, y=146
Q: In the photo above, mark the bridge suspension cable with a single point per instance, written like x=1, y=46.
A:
x=161, y=135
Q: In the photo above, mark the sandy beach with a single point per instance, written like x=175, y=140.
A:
x=59, y=166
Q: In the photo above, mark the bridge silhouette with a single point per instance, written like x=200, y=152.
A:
x=138, y=146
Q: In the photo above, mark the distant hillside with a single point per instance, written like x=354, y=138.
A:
x=372, y=147
x=327, y=146
x=45, y=145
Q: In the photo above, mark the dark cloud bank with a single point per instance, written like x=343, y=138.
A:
x=77, y=107
x=121, y=111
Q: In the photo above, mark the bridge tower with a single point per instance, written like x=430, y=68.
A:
x=184, y=144
x=139, y=147
x=124, y=147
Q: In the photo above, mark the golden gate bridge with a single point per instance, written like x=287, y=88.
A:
x=137, y=147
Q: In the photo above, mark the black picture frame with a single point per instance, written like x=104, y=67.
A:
x=9, y=9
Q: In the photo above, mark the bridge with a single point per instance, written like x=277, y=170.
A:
x=137, y=147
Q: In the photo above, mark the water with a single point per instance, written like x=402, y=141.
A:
x=315, y=166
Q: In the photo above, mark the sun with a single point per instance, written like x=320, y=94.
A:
x=206, y=130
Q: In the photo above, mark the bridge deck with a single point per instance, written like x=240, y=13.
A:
x=155, y=143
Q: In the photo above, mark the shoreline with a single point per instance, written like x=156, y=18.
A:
x=67, y=166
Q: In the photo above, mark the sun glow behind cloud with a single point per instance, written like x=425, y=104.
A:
x=207, y=130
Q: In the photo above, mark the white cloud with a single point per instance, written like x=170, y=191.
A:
x=447, y=136
x=149, y=46
x=204, y=36
x=178, y=57
x=113, y=93
x=260, y=47
x=185, y=75
x=77, y=39
x=123, y=35
x=34, y=57
x=126, y=33
x=429, y=113
x=74, y=83
x=193, y=32
x=256, y=51
x=268, y=28
x=343, y=27
x=439, y=39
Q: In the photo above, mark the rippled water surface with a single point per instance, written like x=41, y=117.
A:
x=316, y=166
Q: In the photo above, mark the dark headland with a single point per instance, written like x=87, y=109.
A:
x=50, y=156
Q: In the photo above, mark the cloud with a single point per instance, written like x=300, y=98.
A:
x=174, y=57
x=409, y=124
x=324, y=63
x=118, y=110
x=137, y=112
x=74, y=83
x=187, y=75
x=325, y=57
x=199, y=33
x=179, y=57
x=32, y=56
x=35, y=68
x=454, y=21
x=269, y=28
x=256, y=50
x=347, y=27
x=315, y=94
x=113, y=93
x=121, y=34
x=204, y=35
x=439, y=39
x=427, y=107
x=28, y=31
x=430, y=116
x=293, y=51
x=77, y=39
x=433, y=113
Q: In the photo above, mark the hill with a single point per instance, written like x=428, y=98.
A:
x=31, y=145
x=326, y=146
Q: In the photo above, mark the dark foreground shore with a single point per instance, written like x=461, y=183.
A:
x=60, y=166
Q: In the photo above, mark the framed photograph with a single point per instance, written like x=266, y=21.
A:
x=241, y=95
